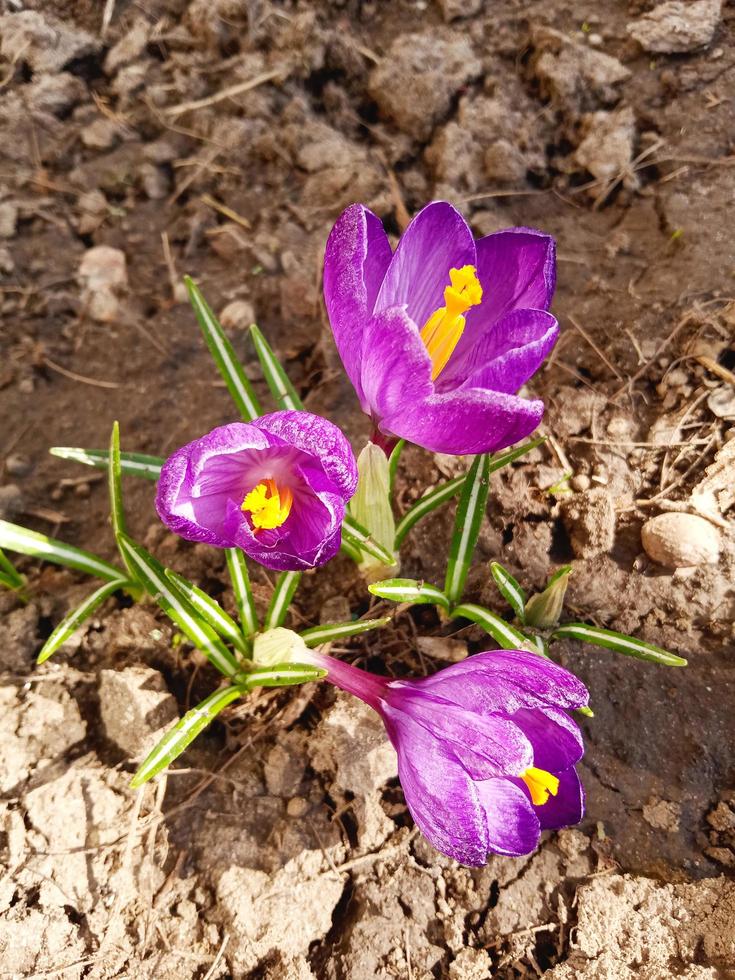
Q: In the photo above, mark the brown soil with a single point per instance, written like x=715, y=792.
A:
x=280, y=846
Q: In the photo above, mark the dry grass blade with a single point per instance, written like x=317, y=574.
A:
x=225, y=93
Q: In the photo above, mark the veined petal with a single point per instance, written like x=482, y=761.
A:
x=440, y=794
x=465, y=422
x=517, y=269
x=555, y=737
x=437, y=239
x=567, y=807
x=513, y=826
x=507, y=354
x=356, y=259
x=506, y=681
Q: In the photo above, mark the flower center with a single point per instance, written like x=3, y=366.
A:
x=541, y=785
x=442, y=330
x=267, y=505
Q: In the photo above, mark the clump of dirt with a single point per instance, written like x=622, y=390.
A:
x=222, y=139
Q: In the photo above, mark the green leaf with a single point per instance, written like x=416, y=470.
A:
x=20, y=539
x=357, y=536
x=544, y=610
x=286, y=585
x=71, y=623
x=506, y=636
x=224, y=355
x=9, y=574
x=430, y=501
x=281, y=675
x=499, y=460
x=183, y=733
x=470, y=511
x=620, y=642
x=152, y=576
x=276, y=378
x=350, y=550
x=243, y=594
x=393, y=461
x=211, y=611
x=337, y=631
x=114, y=483
x=131, y=464
x=409, y=590
x=510, y=589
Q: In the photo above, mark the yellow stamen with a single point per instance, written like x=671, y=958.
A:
x=541, y=785
x=268, y=505
x=442, y=330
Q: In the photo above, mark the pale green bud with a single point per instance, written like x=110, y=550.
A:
x=371, y=507
x=279, y=646
x=544, y=610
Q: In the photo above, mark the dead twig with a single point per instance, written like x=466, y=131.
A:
x=72, y=375
x=226, y=93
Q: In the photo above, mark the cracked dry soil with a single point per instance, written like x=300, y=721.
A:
x=222, y=138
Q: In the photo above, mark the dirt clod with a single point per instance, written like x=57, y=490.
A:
x=675, y=27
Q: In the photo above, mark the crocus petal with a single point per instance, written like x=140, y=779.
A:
x=437, y=240
x=356, y=259
x=513, y=826
x=443, y=799
x=517, y=270
x=555, y=737
x=320, y=438
x=506, y=355
x=487, y=746
x=567, y=807
x=506, y=681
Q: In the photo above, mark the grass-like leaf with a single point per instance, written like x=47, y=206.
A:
x=223, y=354
x=430, y=501
x=620, y=642
x=510, y=589
x=211, y=611
x=20, y=539
x=152, y=575
x=356, y=536
x=281, y=675
x=240, y=578
x=506, y=636
x=276, y=378
x=393, y=461
x=350, y=550
x=71, y=623
x=114, y=484
x=9, y=574
x=183, y=733
x=470, y=511
x=337, y=631
x=409, y=590
x=131, y=464
x=286, y=585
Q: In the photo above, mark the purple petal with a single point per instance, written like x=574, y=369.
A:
x=567, y=807
x=517, y=270
x=356, y=258
x=513, y=826
x=486, y=746
x=506, y=681
x=437, y=240
x=442, y=798
x=320, y=438
x=555, y=737
x=506, y=355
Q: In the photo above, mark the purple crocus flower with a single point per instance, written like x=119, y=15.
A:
x=486, y=748
x=275, y=487
x=437, y=337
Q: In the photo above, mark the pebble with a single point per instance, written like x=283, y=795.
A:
x=103, y=275
x=237, y=315
x=677, y=540
x=676, y=27
x=18, y=465
x=8, y=219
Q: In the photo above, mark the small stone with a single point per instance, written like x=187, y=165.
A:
x=607, y=148
x=237, y=315
x=8, y=219
x=442, y=648
x=721, y=402
x=580, y=482
x=722, y=818
x=102, y=134
x=136, y=708
x=103, y=275
x=17, y=464
x=681, y=540
x=589, y=519
x=662, y=814
x=82, y=490
x=154, y=181
x=11, y=502
x=297, y=806
x=676, y=27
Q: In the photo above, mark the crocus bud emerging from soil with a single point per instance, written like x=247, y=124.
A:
x=486, y=749
x=276, y=487
x=439, y=336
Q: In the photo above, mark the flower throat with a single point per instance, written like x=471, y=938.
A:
x=268, y=505
x=443, y=329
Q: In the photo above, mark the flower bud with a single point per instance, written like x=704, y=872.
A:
x=279, y=646
x=544, y=610
x=371, y=507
